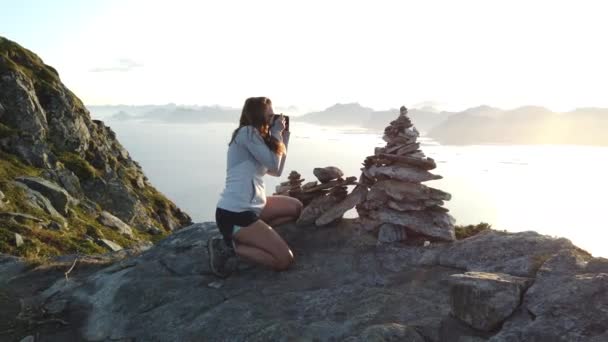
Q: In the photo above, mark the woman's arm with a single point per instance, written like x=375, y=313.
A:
x=260, y=151
x=285, y=139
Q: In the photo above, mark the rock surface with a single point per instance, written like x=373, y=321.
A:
x=49, y=143
x=342, y=287
x=484, y=300
x=114, y=222
x=56, y=194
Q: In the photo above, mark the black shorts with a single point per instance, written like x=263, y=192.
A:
x=226, y=220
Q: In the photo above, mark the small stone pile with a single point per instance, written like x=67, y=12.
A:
x=397, y=204
x=319, y=196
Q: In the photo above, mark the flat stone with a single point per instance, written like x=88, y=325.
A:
x=309, y=185
x=35, y=199
x=325, y=174
x=401, y=191
x=407, y=149
x=414, y=205
x=115, y=223
x=315, y=209
x=331, y=184
x=20, y=217
x=18, y=240
x=424, y=163
x=485, y=300
x=58, y=196
x=401, y=173
x=113, y=246
x=435, y=225
x=388, y=233
x=355, y=197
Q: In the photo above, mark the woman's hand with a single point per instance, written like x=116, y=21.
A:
x=278, y=125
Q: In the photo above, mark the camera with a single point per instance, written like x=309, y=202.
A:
x=275, y=116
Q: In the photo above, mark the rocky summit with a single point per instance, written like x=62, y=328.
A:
x=67, y=184
x=80, y=215
x=344, y=286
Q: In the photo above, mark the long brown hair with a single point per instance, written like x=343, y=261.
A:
x=253, y=114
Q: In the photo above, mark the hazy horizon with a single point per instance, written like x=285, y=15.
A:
x=452, y=55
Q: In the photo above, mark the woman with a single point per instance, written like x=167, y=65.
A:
x=244, y=214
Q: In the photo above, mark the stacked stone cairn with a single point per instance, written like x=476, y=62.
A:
x=397, y=206
x=319, y=197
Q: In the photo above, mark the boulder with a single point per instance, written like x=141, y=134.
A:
x=325, y=174
x=565, y=303
x=56, y=194
x=520, y=254
x=115, y=223
x=35, y=199
x=485, y=300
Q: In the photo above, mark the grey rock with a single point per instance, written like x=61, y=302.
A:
x=20, y=217
x=341, y=287
x=326, y=174
x=520, y=254
x=316, y=208
x=18, y=240
x=10, y=266
x=400, y=191
x=35, y=199
x=355, y=197
x=485, y=300
x=111, y=245
x=453, y=329
x=115, y=223
x=154, y=230
x=67, y=179
x=54, y=225
x=566, y=303
x=56, y=194
x=390, y=332
x=29, y=338
x=435, y=225
x=56, y=306
x=388, y=233
x=405, y=174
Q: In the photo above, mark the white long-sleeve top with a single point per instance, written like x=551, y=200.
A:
x=249, y=159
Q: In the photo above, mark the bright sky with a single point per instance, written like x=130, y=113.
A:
x=313, y=54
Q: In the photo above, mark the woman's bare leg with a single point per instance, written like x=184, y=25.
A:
x=281, y=209
x=259, y=242
x=256, y=255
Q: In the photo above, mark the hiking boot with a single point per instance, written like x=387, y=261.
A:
x=222, y=258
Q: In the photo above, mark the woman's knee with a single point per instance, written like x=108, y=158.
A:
x=284, y=261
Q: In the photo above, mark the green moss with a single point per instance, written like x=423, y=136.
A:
x=463, y=232
x=82, y=168
x=11, y=167
x=14, y=57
